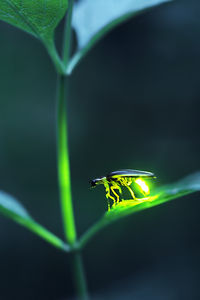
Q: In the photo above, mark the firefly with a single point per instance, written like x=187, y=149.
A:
x=114, y=181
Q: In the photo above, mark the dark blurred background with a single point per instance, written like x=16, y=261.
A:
x=134, y=103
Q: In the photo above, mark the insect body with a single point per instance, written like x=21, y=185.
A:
x=115, y=180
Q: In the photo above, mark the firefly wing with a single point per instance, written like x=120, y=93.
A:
x=130, y=173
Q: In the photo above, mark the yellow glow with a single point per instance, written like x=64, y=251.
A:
x=143, y=186
x=126, y=204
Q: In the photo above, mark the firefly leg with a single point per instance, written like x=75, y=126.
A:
x=130, y=190
x=116, y=186
x=126, y=184
x=113, y=187
x=108, y=195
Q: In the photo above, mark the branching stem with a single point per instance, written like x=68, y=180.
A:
x=63, y=163
x=64, y=166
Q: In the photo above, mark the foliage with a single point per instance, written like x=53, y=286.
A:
x=91, y=21
x=39, y=18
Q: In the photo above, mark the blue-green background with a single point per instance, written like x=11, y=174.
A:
x=134, y=103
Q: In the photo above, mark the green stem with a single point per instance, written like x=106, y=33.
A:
x=64, y=167
x=65, y=190
x=59, y=65
x=79, y=276
x=63, y=164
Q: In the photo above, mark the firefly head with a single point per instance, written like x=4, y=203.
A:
x=93, y=183
x=97, y=181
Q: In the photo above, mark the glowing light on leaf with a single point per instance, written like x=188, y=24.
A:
x=144, y=189
x=160, y=195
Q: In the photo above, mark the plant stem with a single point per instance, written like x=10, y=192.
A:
x=79, y=276
x=65, y=190
x=63, y=164
x=64, y=167
x=54, y=56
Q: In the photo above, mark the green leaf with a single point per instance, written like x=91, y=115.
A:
x=38, y=17
x=13, y=209
x=187, y=185
x=92, y=19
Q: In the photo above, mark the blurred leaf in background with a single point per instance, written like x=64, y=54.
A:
x=90, y=17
